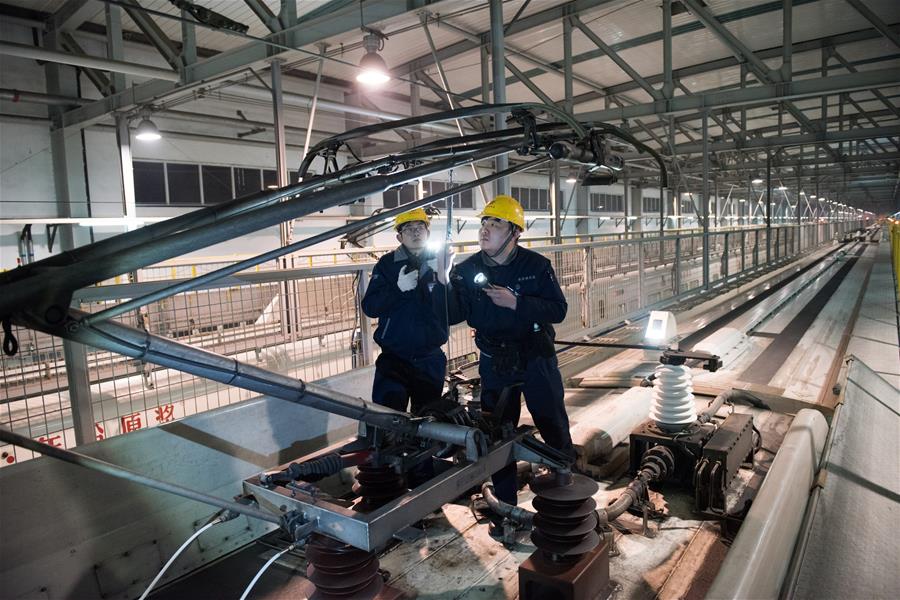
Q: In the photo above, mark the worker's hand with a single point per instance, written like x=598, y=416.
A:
x=501, y=296
x=407, y=281
x=445, y=257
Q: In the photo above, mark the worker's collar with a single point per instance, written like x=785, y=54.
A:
x=491, y=262
x=401, y=254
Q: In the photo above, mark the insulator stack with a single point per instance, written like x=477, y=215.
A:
x=658, y=463
x=377, y=485
x=340, y=571
x=673, y=398
x=566, y=520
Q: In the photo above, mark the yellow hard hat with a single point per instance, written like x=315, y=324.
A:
x=416, y=214
x=506, y=208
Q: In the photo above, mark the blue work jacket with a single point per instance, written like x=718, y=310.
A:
x=529, y=275
x=409, y=324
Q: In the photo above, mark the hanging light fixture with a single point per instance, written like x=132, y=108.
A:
x=373, y=70
x=147, y=131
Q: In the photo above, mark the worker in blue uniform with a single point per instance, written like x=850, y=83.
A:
x=411, y=366
x=511, y=297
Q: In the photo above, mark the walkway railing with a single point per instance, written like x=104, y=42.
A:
x=305, y=321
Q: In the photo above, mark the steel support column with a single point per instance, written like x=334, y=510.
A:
x=289, y=313
x=787, y=48
x=768, y=207
x=499, y=82
x=126, y=169
x=114, y=45
x=485, y=81
x=78, y=380
x=555, y=211
x=668, y=88
x=188, y=41
x=567, y=65
x=704, y=206
x=278, y=119
x=67, y=159
x=414, y=101
x=366, y=341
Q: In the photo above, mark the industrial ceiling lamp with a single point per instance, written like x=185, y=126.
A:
x=373, y=70
x=147, y=131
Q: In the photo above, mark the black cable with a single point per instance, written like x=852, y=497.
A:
x=621, y=133
x=350, y=149
x=10, y=345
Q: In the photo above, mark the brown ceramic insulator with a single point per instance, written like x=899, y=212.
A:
x=340, y=571
x=566, y=521
x=378, y=486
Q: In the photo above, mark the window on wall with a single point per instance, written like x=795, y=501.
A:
x=216, y=184
x=246, y=181
x=184, y=183
x=611, y=203
x=181, y=184
x=269, y=179
x=532, y=199
x=399, y=196
x=650, y=204
x=149, y=182
x=464, y=199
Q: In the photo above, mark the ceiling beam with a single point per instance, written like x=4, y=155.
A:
x=890, y=157
x=756, y=95
x=307, y=31
x=550, y=15
x=744, y=55
x=614, y=56
x=265, y=15
x=872, y=18
x=772, y=142
x=72, y=14
x=149, y=28
x=735, y=16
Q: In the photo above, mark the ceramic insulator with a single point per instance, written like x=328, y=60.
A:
x=672, y=405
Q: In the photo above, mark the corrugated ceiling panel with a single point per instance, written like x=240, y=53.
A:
x=47, y=6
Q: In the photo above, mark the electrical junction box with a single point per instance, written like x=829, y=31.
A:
x=723, y=454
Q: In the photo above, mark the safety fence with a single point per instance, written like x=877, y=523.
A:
x=304, y=320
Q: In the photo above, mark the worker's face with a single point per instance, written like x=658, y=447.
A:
x=494, y=233
x=413, y=236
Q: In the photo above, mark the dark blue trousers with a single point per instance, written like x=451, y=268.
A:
x=422, y=384
x=542, y=385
